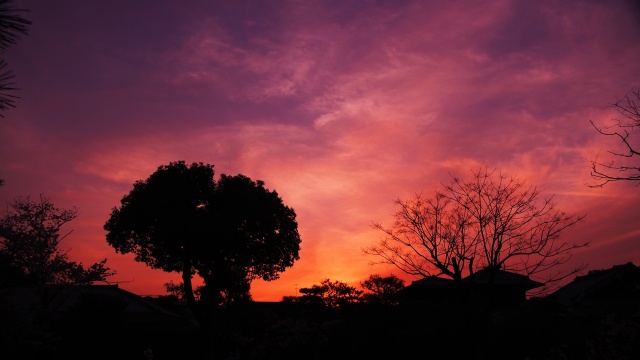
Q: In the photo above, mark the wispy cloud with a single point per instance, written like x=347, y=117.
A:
x=338, y=106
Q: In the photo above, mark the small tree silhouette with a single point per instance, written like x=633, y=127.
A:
x=382, y=290
x=30, y=241
x=332, y=294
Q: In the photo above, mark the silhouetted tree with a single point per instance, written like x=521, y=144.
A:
x=253, y=235
x=160, y=219
x=622, y=167
x=490, y=221
x=228, y=232
x=332, y=294
x=30, y=241
x=382, y=290
x=12, y=27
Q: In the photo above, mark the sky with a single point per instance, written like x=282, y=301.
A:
x=341, y=107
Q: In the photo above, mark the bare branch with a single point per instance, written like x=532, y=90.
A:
x=625, y=165
x=489, y=221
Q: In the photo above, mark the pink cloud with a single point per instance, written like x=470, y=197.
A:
x=340, y=109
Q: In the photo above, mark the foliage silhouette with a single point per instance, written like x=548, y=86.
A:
x=12, y=27
x=382, y=290
x=332, y=294
x=30, y=244
x=227, y=232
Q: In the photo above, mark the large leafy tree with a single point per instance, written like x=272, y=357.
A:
x=228, y=232
x=160, y=219
x=252, y=235
x=30, y=246
x=488, y=221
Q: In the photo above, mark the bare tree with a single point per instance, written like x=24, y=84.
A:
x=489, y=221
x=625, y=164
x=429, y=237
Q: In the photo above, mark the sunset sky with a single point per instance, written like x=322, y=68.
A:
x=340, y=106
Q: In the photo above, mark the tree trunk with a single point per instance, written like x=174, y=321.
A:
x=188, y=294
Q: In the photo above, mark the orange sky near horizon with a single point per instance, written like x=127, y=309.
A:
x=339, y=107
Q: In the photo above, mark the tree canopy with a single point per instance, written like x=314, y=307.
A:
x=332, y=294
x=382, y=289
x=228, y=232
